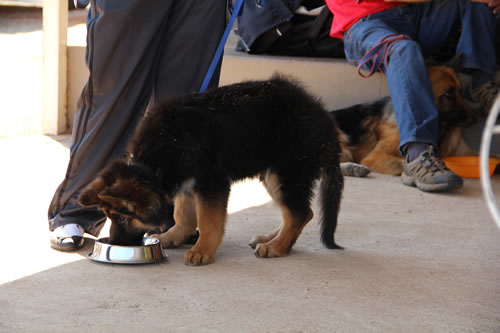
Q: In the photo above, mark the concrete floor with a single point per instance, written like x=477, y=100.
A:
x=414, y=262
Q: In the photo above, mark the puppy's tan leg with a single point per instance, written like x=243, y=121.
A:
x=211, y=221
x=185, y=222
x=271, y=182
x=281, y=244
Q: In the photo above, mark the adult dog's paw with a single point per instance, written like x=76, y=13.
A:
x=197, y=258
x=354, y=170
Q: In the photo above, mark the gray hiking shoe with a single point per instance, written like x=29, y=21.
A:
x=485, y=94
x=428, y=173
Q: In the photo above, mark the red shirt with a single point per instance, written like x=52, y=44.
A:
x=348, y=12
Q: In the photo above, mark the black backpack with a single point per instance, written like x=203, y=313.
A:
x=302, y=35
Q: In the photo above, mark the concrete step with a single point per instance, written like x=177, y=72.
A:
x=333, y=80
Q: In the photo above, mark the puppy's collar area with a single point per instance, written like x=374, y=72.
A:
x=147, y=171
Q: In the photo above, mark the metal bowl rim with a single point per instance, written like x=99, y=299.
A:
x=104, y=246
x=156, y=241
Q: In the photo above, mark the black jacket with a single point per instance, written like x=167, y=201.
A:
x=254, y=20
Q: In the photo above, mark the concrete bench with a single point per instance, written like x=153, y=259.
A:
x=334, y=80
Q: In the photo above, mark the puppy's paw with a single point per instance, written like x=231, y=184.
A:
x=257, y=239
x=354, y=169
x=198, y=258
x=267, y=250
x=174, y=237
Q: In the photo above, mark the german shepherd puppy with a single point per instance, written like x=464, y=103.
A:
x=369, y=133
x=189, y=151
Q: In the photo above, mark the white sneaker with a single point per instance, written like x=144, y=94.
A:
x=67, y=237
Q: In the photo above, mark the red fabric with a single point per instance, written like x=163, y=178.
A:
x=348, y=12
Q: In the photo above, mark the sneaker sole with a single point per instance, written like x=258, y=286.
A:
x=57, y=244
x=443, y=187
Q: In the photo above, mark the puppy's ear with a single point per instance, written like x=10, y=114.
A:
x=120, y=197
x=89, y=196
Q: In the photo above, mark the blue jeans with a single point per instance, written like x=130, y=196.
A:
x=428, y=25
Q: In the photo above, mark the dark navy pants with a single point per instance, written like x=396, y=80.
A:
x=138, y=53
x=428, y=25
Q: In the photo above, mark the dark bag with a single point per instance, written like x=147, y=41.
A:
x=302, y=35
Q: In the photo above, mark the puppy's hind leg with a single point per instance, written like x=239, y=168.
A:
x=273, y=187
x=293, y=199
x=285, y=237
x=257, y=239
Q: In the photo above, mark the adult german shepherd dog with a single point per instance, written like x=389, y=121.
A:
x=189, y=151
x=369, y=133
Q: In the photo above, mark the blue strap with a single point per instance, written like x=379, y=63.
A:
x=220, y=48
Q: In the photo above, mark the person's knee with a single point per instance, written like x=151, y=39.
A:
x=478, y=13
x=405, y=49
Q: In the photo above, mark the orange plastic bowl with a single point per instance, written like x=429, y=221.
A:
x=468, y=166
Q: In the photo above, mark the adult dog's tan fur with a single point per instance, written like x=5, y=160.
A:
x=374, y=141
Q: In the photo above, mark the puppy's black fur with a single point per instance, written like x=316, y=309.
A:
x=193, y=147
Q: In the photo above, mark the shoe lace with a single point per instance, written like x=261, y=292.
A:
x=431, y=162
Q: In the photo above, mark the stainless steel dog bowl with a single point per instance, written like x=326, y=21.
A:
x=150, y=251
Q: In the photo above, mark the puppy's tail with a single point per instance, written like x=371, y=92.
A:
x=332, y=184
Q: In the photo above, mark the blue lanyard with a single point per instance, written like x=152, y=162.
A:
x=237, y=11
